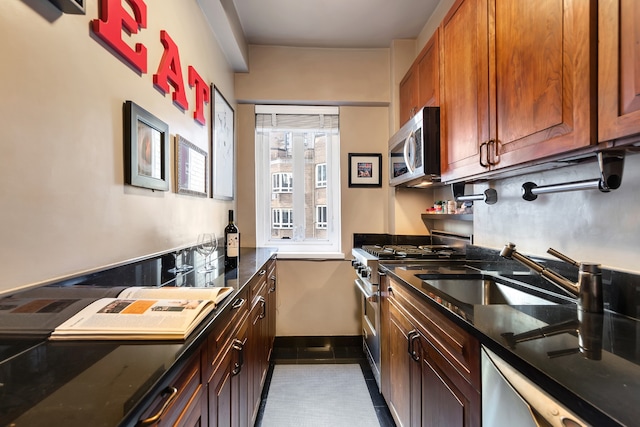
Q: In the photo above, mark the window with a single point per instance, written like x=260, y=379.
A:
x=298, y=178
x=321, y=175
x=282, y=218
x=321, y=216
x=281, y=182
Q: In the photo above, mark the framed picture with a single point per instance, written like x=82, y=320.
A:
x=223, y=162
x=365, y=170
x=191, y=168
x=146, y=150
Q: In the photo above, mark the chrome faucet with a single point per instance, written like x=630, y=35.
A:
x=588, y=289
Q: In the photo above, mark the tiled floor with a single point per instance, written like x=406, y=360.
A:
x=308, y=350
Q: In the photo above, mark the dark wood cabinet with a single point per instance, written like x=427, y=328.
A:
x=618, y=72
x=260, y=345
x=518, y=83
x=183, y=403
x=409, y=95
x=228, y=387
x=430, y=366
x=420, y=86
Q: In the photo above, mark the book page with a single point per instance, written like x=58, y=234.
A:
x=215, y=294
x=118, y=316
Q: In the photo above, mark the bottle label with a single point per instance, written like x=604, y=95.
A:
x=232, y=244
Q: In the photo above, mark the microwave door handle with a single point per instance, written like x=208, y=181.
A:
x=409, y=150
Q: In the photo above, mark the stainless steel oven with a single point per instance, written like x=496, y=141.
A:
x=367, y=282
x=365, y=262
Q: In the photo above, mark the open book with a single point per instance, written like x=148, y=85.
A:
x=143, y=313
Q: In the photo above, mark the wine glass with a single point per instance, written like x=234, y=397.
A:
x=184, y=267
x=205, y=246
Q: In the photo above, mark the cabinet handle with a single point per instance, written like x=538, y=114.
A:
x=262, y=272
x=238, y=346
x=264, y=308
x=172, y=392
x=484, y=144
x=239, y=303
x=496, y=156
x=273, y=280
x=412, y=336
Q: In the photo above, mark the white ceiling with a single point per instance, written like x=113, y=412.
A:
x=332, y=23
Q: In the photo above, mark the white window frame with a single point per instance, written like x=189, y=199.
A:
x=321, y=167
x=281, y=178
x=321, y=217
x=330, y=247
x=278, y=215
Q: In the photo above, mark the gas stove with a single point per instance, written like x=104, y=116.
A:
x=399, y=252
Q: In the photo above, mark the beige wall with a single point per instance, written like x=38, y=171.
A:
x=318, y=297
x=65, y=207
x=317, y=76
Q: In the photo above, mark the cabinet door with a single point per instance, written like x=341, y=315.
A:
x=271, y=304
x=258, y=352
x=228, y=388
x=447, y=399
x=544, y=78
x=619, y=71
x=464, y=92
x=403, y=396
x=429, y=74
x=409, y=95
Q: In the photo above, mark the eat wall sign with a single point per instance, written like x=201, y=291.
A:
x=114, y=20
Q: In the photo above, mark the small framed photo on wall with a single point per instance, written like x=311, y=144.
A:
x=365, y=170
x=146, y=148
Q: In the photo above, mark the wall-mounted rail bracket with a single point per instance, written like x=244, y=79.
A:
x=611, y=165
x=490, y=196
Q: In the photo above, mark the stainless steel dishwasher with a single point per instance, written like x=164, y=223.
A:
x=510, y=399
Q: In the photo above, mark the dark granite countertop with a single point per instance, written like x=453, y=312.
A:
x=105, y=383
x=600, y=382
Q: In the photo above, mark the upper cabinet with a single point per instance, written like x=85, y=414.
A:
x=619, y=71
x=420, y=87
x=518, y=83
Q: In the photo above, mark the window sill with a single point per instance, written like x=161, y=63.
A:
x=310, y=255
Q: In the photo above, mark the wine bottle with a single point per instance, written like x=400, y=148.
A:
x=231, y=244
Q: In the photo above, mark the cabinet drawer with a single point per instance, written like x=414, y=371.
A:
x=183, y=399
x=225, y=326
x=257, y=285
x=459, y=348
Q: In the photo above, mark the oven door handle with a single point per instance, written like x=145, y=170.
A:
x=369, y=296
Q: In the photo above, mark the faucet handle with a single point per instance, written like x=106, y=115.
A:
x=563, y=257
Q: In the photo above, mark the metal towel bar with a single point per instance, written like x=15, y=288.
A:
x=490, y=196
x=611, y=165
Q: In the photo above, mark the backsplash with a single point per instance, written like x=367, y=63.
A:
x=585, y=225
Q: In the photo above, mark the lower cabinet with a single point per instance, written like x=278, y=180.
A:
x=430, y=367
x=228, y=387
x=221, y=385
x=182, y=403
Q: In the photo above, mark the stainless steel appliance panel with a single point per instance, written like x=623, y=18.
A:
x=510, y=399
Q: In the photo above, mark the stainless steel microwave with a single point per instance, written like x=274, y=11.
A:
x=414, y=151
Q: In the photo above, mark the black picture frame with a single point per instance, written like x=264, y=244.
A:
x=365, y=170
x=192, y=168
x=223, y=147
x=146, y=149
x=75, y=7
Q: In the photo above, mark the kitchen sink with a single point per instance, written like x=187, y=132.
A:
x=482, y=291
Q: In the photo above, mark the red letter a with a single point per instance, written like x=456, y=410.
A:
x=202, y=94
x=169, y=71
x=113, y=19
